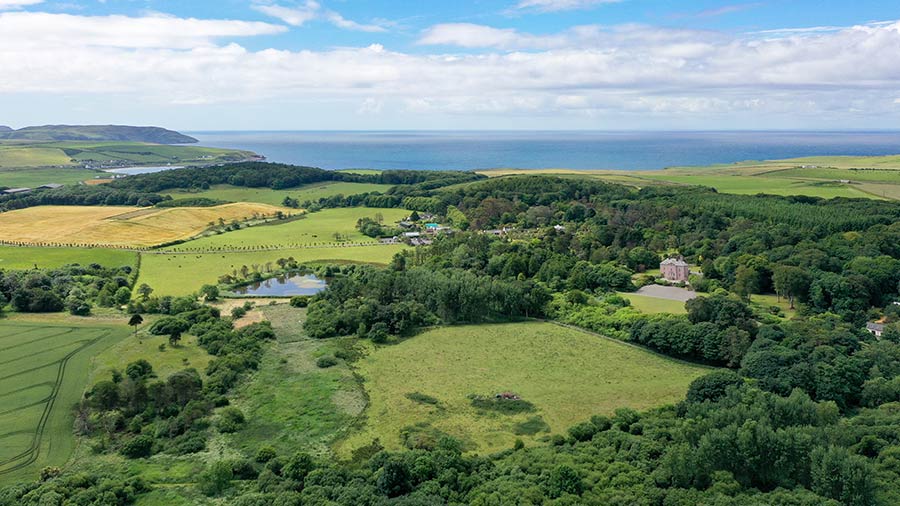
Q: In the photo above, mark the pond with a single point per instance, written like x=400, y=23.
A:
x=284, y=286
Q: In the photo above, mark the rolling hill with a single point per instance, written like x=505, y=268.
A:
x=154, y=135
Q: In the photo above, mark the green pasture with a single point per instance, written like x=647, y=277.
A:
x=654, y=305
x=751, y=185
x=566, y=374
x=165, y=361
x=32, y=178
x=17, y=154
x=290, y=402
x=43, y=372
x=26, y=257
x=185, y=273
x=314, y=229
x=311, y=192
x=832, y=174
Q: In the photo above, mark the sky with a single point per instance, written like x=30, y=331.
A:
x=452, y=65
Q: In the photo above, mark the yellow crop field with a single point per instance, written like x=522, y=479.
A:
x=118, y=226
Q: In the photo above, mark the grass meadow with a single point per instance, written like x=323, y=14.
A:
x=654, y=305
x=43, y=372
x=31, y=178
x=118, y=226
x=566, y=374
x=20, y=156
x=185, y=273
x=313, y=229
x=751, y=185
x=290, y=402
x=26, y=257
x=312, y=192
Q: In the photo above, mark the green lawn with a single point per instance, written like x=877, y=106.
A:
x=751, y=185
x=290, y=403
x=184, y=273
x=566, y=374
x=762, y=303
x=276, y=197
x=43, y=372
x=314, y=229
x=15, y=257
x=31, y=178
x=654, y=305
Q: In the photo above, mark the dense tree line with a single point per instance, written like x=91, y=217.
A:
x=374, y=302
x=72, y=288
x=279, y=176
x=80, y=195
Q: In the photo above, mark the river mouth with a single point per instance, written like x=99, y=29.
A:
x=284, y=286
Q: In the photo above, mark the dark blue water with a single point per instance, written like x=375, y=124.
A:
x=534, y=150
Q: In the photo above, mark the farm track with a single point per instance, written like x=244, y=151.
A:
x=31, y=454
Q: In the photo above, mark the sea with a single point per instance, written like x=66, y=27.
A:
x=468, y=150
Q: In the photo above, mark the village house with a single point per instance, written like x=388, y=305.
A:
x=876, y=329
x=675, y=270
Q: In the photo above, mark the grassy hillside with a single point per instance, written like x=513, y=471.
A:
x=827, y=177
x=154, y=135
x=422, y=385
x=31, y=154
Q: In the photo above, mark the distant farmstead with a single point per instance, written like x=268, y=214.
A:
x=675, y=270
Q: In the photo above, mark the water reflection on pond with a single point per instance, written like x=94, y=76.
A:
x=285, y=286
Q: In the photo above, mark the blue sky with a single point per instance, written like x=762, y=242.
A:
x=465, y=64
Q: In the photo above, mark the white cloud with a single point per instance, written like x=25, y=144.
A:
x=294, y=17
x=17, y=4
x=561, y=5
x=479, y=36
x=312, y=10
x=592, y=70
x=39, y=29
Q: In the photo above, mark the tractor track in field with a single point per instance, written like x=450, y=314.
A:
x=46, y=350
x=31, y=454
x=69, y=331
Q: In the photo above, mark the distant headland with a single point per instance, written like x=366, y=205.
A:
x=122, y=133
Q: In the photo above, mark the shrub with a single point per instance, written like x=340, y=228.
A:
x=712, y=386
x=583, y=431
x=137, y=447
x=265, y=454
x=230, y=420
x=501, y=405
x=300, y=301
x=422, y=398
x=216, y=479
x=326, y=362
